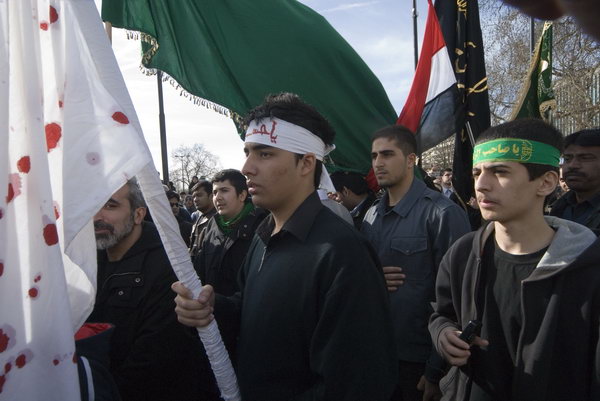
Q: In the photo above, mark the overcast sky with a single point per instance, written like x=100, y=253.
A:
x=379, y=30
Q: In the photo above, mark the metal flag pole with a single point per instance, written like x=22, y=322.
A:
x=415, y=14
x=531, y=35
x=163, y=130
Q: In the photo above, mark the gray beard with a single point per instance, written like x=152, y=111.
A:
x=106, y=241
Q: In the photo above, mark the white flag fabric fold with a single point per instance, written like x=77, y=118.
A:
x=69, y=138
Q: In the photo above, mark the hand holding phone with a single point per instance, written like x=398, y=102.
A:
x=470, y=331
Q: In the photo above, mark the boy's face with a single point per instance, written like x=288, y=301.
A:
x=273, y=175
x=504, y=192
x=227, y=201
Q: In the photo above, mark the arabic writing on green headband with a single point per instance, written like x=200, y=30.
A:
x=516, y=150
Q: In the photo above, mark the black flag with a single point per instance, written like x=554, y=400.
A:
x=459, y=21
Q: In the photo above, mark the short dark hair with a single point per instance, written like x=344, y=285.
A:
x=585, y=137
x=235, y=177
x=404, y=138
x=291, y=108
x=447, y=170
x=532, y=129
x=355, y=182
x=173, y=194
x=203, y=184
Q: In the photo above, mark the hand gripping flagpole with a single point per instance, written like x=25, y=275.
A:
x=168, y=229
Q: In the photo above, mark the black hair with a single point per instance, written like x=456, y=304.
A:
x=447, y=170
x=586, y=137
x=291, y=108
x=532, y=129
x=355, y=182
x=235, y=177
x=402, y=136
x=203, y=184
x=173, y=194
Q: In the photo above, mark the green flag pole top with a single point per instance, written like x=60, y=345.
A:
x=516, y=150
x=536, y=96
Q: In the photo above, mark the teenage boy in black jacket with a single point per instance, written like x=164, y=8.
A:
x=313, y=311
x=532, y=281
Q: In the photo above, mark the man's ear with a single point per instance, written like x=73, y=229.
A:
x=547, y=183
x=139, y=214
x=308, y=164
x=411, y=160
x=243, y=195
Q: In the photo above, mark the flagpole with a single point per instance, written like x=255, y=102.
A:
x=415, y=14
x=163, y=130
x=531, y=35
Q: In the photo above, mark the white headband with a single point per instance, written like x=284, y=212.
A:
x=293, y=138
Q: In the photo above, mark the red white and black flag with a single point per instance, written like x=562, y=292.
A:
x=430, y=107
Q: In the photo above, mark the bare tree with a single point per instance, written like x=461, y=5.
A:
x=576, y=65
x=192, y=161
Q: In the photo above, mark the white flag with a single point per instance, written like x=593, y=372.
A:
x=69, y=138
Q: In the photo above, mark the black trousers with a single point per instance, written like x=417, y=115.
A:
x=408, y=378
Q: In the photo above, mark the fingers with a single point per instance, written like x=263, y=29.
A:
x=193, y=312
x=180, y=289
x=394, y=277
x=421, y=384
x=480, y=342
x=455, y=350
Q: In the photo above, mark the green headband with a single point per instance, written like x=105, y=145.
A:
x=516, y=150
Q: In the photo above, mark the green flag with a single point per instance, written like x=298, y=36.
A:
x=235, y=52
x=536, y=96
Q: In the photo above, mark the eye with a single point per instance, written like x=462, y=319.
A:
x=264, y=155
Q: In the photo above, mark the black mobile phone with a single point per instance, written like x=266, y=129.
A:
x=470, y=331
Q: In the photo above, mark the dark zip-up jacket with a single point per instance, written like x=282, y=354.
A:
x=558, y=352
x=220, y=256
x=152, y=356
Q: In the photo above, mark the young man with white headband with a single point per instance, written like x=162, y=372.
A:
x=531, y=282
x=313, y=314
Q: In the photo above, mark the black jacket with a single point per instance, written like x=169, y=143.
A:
x=558, y=353
x=315, y=317
x=197, y=229
x=220, y=256
x=152, y=356
x=593, y=220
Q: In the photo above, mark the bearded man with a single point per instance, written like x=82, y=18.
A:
x=148, y=346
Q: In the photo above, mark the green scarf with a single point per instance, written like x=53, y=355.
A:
x=228, y=226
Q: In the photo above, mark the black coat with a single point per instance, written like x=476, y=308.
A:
x=152, y=356
x=220, y=256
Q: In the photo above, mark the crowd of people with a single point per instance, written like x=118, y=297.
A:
x=348, y=293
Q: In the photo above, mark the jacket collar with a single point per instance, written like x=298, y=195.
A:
x=403, y=207
x=298, y=224
x=569, y=242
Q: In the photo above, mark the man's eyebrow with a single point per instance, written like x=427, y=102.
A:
x=256, y=146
